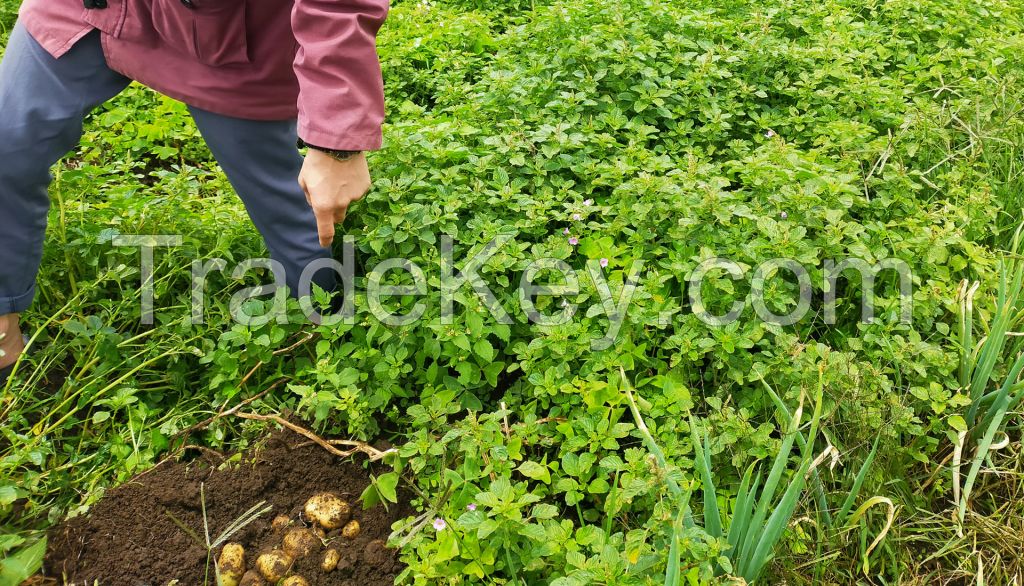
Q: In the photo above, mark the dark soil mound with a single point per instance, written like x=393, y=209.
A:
x=128, y=538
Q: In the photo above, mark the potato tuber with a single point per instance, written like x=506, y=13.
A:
x=331, y=559
x=295, y=581
x=351, y=530
x=300, y=542
x=231, y=564
x=274, y=565
x=326, y=509
x=280, y=523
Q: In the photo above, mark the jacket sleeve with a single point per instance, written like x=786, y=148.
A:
x=341, y=91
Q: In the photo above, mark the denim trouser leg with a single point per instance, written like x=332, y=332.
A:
x=262, y=163
x=42, y=104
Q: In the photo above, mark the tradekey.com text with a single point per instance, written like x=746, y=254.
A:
x=609, y=292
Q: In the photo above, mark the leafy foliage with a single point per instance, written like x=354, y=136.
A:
x=677, y=132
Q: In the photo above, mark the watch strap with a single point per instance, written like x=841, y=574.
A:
x=334, y=153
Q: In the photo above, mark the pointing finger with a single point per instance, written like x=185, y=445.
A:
x=325, y=227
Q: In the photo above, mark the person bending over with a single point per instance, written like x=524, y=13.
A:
x=260, y=78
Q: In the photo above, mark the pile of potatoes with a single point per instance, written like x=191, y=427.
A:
x=326, y=515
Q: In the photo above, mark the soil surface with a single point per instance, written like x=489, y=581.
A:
x=129, y=539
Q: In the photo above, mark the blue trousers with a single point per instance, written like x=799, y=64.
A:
x=43, y=102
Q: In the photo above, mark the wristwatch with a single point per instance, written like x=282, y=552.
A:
x=334, y=154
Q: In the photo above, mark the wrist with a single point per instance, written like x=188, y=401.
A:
x=338, y=155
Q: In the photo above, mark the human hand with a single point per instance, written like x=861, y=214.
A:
x=331, y=186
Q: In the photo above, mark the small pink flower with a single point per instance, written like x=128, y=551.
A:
x=588, y=202
x=604, y=262
x=565, y=303
x=439, y=524
x=471, y=507
x=783, y=215
x=770, y=133
x=576, y=217
x=566, y=231
x=574, y=240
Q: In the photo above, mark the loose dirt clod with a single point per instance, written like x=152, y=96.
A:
x=376, y=552
x=252, y=578
x=127, y=538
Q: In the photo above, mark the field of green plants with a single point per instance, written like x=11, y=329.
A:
x=657, y=134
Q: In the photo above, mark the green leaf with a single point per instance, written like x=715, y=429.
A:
x=8, y=494
x=75, y=327
x=534, y=532
x=20, y=566
x=370, y=496
x=491, y=372
x=447, y=545
x=570, y=464
x=462, y=342
x=484, y=350
x=348, y=376
x=545, y=511
x=957, y=422
x=475, y=323
x=386, y=485
x=535, y=471
x=486, y=528
x=9, y=542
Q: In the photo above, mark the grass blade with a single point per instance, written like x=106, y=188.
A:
x=857, y=484
x=261, y=508
x=819, y=486
x=673, y=574
x=776, y=525
x=741, y=512
x=772, y=483
x=889, y=518
x=712, y=517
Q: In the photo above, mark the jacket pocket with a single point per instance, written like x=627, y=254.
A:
x=211, y=31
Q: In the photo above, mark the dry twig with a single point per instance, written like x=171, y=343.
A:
x=357, y=446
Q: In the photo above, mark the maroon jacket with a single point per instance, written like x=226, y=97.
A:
x=256, y=59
